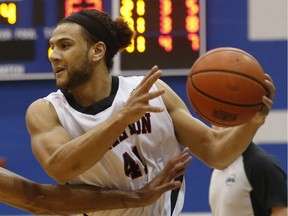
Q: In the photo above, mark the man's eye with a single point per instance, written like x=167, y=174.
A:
x=64, y=46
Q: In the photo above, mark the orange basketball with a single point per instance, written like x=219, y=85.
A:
x=225, y=86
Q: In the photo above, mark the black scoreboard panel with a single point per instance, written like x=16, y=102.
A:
x=25, y=30
x=168, y=34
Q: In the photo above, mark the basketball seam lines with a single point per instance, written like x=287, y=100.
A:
x=228, y=71
x=217, y=99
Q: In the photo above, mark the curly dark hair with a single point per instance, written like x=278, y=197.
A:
x=118, y=31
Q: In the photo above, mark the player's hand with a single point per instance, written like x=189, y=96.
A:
x=267, y=100
x=138, y=103
x=164, y=181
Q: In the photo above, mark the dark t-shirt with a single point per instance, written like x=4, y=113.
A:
x=267, y=178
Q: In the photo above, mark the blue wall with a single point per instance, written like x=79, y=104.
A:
x=226, y=26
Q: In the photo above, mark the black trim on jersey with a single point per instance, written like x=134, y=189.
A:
x=98, y=106
x=263, y=170
x=174, y=194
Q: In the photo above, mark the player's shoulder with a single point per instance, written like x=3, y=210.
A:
x=257, y=160
x=40, y=107
x=38, y=104
x=256, y=154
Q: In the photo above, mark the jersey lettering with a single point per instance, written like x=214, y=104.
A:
x=131, y=168
x=142, y=126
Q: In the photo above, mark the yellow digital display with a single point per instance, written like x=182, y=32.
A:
x=26, y=27
x=167, y=33
x=8, y=12
x=165, y=39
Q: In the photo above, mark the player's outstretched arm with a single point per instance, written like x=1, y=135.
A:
x=218, y=149
x=37, y=198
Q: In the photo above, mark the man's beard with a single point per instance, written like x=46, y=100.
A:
x=78, y=76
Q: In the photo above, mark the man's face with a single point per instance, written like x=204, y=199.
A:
x=69, y=58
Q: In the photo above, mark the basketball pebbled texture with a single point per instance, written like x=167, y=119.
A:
x=225, y=86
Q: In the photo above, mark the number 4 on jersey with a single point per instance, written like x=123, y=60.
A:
x=131, y=168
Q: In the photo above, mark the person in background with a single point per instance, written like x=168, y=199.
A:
x=254, y=184
x=50, y=199
x=119, y=132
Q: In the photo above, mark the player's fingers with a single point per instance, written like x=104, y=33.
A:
x=268, y=104
x=153, y=70
x=177, y=166
x=158, y=191
x=268, y=77
x=168, y=186
x=185, y=163
x=149, y=79
x=145, y=98
x=179, y=158
x=181, y=168
x=154, y=109
x=270, y=86
x=143, y=101
x=182, y=164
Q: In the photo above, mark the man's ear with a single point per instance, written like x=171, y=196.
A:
x=98, y=51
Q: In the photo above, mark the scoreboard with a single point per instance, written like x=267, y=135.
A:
x=25, y=30
x=169, y=33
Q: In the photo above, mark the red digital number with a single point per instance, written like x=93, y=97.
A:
x=76, y=5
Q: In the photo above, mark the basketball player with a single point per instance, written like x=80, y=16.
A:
x=120, y=132
x=254, y=184
x=67, y=199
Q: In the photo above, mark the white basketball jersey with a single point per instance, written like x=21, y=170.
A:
x=230, y=191
x=139, y=154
